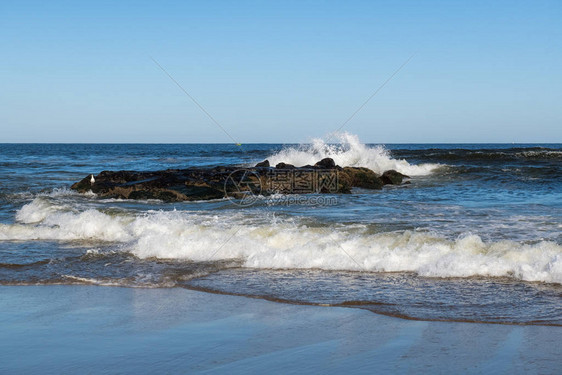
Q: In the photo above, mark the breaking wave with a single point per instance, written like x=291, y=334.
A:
x=271, y=244
x=349, y=152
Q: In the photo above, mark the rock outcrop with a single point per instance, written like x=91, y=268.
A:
x=363, y=178
x=327, y=163
x=175, y=185
x=392, y=177
x=263, y=164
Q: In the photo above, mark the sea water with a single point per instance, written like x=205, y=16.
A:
x=476, y=234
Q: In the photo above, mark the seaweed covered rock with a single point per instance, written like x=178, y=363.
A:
x=363, y=178
x=284, y=166
x=168, y=185
x=393, y=177
x=326, y=163
x=175, y=185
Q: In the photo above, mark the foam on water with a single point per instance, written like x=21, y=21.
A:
x=262, y=243
x=60, y=222
x=350, y=152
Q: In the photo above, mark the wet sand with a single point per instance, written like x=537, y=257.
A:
x=99, y=330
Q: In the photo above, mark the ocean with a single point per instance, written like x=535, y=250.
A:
x=475, y=236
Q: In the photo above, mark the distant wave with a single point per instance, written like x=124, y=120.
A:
x=507, y=154
x=349, y=152
x=19, y=265
x=260, y=243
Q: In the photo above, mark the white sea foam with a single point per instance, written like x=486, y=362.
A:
x=349, y=152
x=59, y=222
x=36, y=211
x=54, y=193
x=59, y=192
x=276, y=244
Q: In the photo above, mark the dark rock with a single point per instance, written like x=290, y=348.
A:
x=285, y=166
x=218, y=169
x=169, y=185
x=326, y=163
x=174, y=185
x=263, y=164
x=393, y=177
x=361, y=177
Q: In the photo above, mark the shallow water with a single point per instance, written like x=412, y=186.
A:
x=65, y=329
x=475, y=236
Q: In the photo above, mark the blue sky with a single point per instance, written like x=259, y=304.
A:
x=287, y=71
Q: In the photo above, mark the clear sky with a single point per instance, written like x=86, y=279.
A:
x=280, y=71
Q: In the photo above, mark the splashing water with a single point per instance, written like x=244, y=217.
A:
x=350, y=152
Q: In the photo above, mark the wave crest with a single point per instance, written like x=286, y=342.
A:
x=261, y=243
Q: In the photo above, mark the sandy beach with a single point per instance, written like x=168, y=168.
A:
x=107, y=330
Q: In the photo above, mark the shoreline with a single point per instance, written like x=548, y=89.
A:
x=346, y=305
x=356, y=305
x=68, y=328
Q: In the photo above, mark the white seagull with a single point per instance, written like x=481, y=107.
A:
x=92, y=180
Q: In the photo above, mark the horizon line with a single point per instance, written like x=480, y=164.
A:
x=271, y=143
